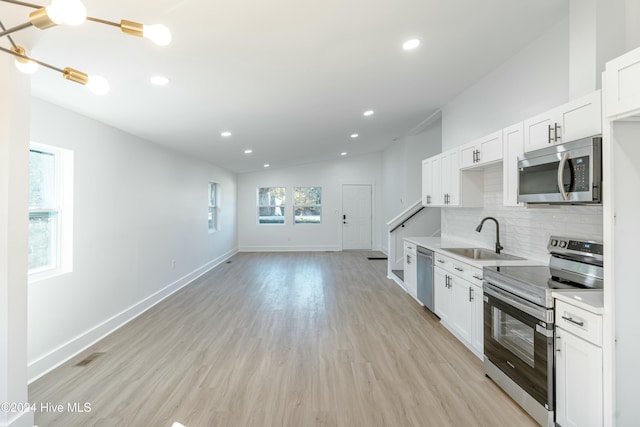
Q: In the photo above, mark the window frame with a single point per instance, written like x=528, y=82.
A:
x=281, y=206
x=61, y=208
x=316, y=205
x=215, y=206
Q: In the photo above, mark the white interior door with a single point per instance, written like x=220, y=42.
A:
x=356, y=216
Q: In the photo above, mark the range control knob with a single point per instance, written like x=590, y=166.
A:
x=554, y=242
x=563, y=244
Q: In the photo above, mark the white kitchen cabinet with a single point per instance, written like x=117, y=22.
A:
x=578, y=359
x=477, y=320
x=622, y=82
x=482, y=152
x=443, y=296
x=458, y=301
x=444, y=185
x=461, y=308
x=513, y=146
x=427, y=182
x=576, y=119
x=410, y=269
x=450, y=174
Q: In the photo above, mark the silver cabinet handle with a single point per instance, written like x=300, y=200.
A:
x=558, y=344
x=555, y=132
x=458, y=268
x=575, y=322
x=428, y=200
x=470, y=294
x=561, y=167
x=441, y=261
x=549, y=134
x=475, y=276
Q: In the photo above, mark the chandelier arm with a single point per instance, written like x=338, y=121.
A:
x=3, y=28
x=100, y=21
x=16, y=28
x=44, y=64
x=21, y=3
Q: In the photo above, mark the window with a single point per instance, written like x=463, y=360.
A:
x=271, y=204
x=214, y=206
x=49, y=217
x=307, y=205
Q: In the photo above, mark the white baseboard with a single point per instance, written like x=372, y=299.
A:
x=326, y=248
x=66, y=351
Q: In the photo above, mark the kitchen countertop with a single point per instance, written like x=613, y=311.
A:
x=436, y=244
x=591, y=300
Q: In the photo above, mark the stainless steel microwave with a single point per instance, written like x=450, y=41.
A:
x=569, y=173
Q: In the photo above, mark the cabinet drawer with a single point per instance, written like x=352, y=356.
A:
x=474, y=275
x=580, y=322
x=409, y=248
x=442, y=262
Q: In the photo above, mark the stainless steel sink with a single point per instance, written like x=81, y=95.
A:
x=481, y=254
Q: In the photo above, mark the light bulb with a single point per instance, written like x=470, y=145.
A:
x=69, y=12
x=98, y=85
x=27, y=67
x=159, y=34
x=23, y=64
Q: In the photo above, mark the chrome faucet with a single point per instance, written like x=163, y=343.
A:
x=479, y=229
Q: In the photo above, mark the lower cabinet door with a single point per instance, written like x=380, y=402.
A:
x=578, y=381
x=461, y=309
x=442, y=294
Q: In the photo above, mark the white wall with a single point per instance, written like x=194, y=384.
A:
x=330, y=176
x=531, y=82
x=14, y=186
x=523, y=231
x=137, y=207
x=402, y=174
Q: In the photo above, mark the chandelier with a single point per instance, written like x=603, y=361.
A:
x=72, y=13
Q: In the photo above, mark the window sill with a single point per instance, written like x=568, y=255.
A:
x=46, y=275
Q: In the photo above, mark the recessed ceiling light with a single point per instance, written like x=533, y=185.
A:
x=267, y=165
x=368, y=113
x=248, y=151
x=411, y=44
x=225, y=134
x=354, y=135
x=344, y=153
x=159, y=80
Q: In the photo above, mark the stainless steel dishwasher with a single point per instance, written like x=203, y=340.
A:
x=425, y=277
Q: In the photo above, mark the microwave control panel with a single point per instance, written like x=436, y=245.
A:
x=580, y=171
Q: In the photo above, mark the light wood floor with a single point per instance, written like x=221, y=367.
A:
x=304, y=339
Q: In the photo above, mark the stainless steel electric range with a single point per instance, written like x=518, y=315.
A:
x=519, y=321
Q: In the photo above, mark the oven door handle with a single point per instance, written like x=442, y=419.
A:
x=561, y=166
x=525, y=306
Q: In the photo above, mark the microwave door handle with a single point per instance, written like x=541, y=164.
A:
x=561, y=166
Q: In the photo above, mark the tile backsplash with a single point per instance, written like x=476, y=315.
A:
x=523, y=231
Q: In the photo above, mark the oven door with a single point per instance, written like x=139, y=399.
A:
x=518, y=339
x=567, y=173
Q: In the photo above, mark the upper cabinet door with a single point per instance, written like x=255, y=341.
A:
x=577, y=119
x=622, y=83
x=513, y=143
x=427, y=182
x=468, y=155
x=581, y=118
x=482, y=151
x=490, y=148
x=540, y=131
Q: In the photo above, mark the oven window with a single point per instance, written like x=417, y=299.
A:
x=513, y=335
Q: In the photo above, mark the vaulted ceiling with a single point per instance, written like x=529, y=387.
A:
x=290, y=79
